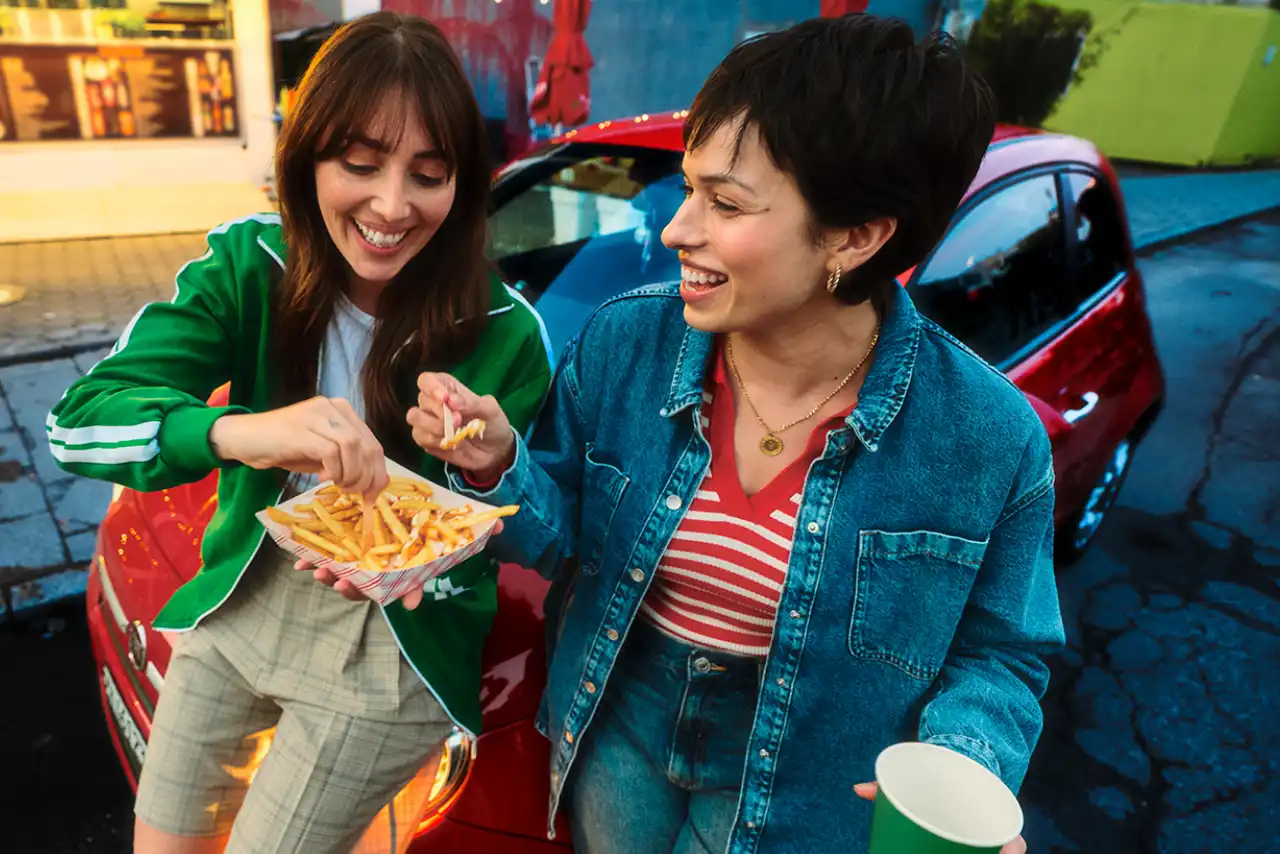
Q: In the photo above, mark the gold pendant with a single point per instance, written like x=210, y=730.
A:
x=770, y=445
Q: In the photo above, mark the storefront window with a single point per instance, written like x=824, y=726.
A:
x=116, y=69
x=62, y=21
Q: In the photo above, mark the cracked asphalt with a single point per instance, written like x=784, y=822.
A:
x=1161, y=731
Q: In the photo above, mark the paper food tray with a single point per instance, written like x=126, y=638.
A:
x=387, y=586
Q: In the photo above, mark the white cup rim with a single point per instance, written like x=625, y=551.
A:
x=898, y=762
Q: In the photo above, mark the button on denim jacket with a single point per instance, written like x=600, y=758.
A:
x=919, y=602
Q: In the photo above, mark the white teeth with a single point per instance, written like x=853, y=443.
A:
x=698, y=277
x=377, y=238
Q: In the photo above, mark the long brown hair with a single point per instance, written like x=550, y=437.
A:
x=433, y=311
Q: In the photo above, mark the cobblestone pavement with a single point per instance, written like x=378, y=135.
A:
x=1160, y=721
x=48, y=519
x=81, y=293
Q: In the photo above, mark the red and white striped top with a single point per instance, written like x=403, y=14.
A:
x=719, y=581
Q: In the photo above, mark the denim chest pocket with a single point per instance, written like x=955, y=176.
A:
x=602, y=488
x=910, y=590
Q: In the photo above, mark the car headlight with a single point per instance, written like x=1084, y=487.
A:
x=451, y=771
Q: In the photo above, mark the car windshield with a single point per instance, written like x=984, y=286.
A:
x=577, y=224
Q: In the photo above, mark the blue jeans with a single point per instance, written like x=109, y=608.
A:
x=660, y=769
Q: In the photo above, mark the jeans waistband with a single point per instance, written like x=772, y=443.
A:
x=648, y=645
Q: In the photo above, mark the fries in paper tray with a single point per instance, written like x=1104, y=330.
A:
x=415, y=531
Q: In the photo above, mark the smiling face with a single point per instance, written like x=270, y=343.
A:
x=746, y=248
x=384, y=198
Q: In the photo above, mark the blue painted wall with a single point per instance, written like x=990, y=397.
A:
x=653, y=56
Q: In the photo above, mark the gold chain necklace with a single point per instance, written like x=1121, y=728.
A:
x=771, y=443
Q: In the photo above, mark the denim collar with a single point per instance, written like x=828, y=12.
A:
x=883, y=391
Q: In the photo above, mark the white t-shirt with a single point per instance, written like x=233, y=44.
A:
x=342, y=358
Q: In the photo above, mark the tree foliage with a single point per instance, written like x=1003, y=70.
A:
x=1030, y=53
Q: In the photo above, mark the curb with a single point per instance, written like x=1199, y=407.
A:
x=1209, y=230
x=51, y=587
x=48, y=354
x=22, y=241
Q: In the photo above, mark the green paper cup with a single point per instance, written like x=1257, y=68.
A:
x=935, y=801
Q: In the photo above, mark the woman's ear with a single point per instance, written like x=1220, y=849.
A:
x=852, y=247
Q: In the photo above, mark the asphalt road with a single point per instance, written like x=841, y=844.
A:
x=1161, y=730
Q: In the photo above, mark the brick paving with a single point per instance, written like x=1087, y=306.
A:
x=81, y=293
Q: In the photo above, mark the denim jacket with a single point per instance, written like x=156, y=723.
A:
x=920, y=599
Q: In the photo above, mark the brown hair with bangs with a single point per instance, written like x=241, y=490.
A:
x=432, y=313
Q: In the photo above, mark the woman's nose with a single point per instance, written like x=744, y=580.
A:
x=390, y=201
x=683, y=231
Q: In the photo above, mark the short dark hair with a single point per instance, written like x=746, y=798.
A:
x=867, y=121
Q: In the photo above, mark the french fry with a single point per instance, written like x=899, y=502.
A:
x=316, y=541
x=368, y=522
x=485, y=516
x=446, y=419
x=278, y=515
x=323, y=515
x=404, y=484
x=353, y=547
x=393, y=524
x=383, y=551
x=415, y=504
x=346, y=515
x=473, y=429
x=447, y=534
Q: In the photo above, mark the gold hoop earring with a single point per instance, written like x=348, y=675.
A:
x=833, y=280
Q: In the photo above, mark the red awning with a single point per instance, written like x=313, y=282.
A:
x=836, y=8
x=563, y=93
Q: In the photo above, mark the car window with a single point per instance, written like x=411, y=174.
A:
x=583, y=224
x=1101, y=251
x=998, y=279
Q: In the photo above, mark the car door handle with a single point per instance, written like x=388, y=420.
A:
x=1071, y=416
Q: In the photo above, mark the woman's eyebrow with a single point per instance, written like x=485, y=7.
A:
x=716, y=178
x=382, y=148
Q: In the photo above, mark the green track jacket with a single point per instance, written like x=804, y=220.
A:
x=139, y=418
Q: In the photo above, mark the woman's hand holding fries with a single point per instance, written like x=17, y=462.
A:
x=318, y=436
x=487, y=444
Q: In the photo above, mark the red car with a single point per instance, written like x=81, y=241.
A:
x=1036, y=274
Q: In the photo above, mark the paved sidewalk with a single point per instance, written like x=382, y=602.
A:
x=1163, y=208
x=48, y=519
x=80, y=294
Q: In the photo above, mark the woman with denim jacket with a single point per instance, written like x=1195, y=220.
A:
x=805, y=523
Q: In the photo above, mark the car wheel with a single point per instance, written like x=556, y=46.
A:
x=1076, y=538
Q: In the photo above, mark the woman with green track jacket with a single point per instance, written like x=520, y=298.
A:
x=321, y=319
